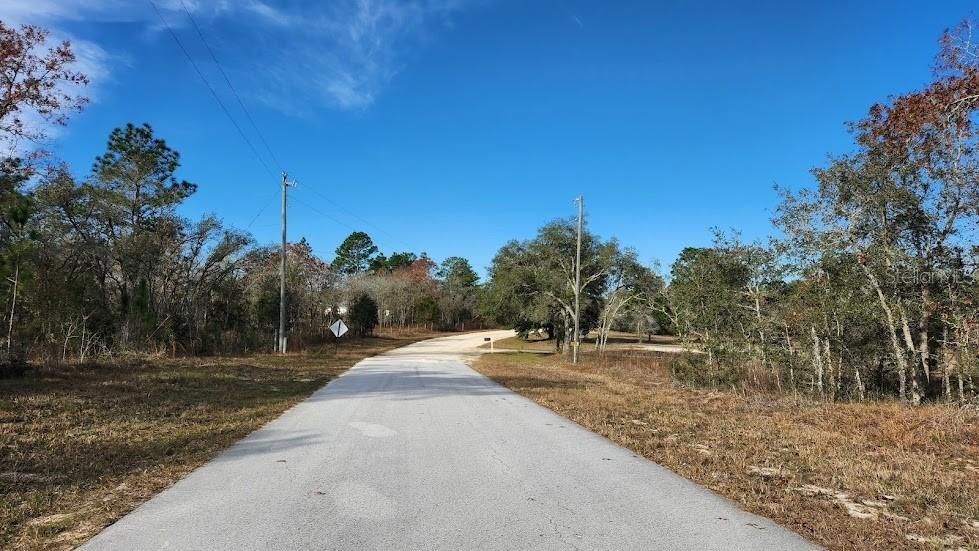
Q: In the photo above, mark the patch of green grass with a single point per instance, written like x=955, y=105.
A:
x=521, y=345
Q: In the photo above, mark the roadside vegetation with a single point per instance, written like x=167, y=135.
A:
x=853, y=475
x=614, y=341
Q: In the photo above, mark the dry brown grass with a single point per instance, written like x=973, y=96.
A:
x=617, y=341
x=522, y=345
x=844, y=475
x=80, y=446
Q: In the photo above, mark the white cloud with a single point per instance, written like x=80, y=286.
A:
x=269, y=13
x=344, y=53
x=296, y=55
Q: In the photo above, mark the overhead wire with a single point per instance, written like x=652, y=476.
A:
x=321, y=213
x=209, y=87
x=370, y=225
x=231, y=86
x=383, y=242
x=251, y=120
x=262, y=210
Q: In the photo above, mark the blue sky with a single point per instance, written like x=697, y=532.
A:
x=452, y=126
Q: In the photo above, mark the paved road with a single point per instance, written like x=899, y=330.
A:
x=414, y=450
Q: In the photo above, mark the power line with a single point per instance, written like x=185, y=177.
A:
x=209, y=87
x=342, y=223
x=231, y=86
x=321, y=213
x=354, y=216
x=267, y=203
x=248, y=115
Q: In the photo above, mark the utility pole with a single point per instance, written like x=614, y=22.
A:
x=577, y=284
x=282, y=271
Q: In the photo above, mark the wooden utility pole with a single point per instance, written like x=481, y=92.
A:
x=282, y=272
x=577, y=285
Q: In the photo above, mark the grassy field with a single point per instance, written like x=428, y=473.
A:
x=844, y=475
x=80, y=446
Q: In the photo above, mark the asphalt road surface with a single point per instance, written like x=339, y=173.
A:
x=414, y=450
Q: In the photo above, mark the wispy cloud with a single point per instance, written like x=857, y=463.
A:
x=270, y=14
x=364, y=42
x=310, y=54
x=344, y=53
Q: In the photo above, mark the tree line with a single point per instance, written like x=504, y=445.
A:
x=103, y=263
x=868, y=288
x=531, y=286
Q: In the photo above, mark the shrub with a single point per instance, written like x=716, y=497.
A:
x=363, y=316
x=12, y=366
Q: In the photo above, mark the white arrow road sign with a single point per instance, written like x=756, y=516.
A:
x=339, y=328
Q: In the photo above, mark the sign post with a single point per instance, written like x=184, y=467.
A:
x=339, y=329
x=489, y=340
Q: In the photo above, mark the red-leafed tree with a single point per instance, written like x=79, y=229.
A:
x=38, y=83
x=905, y=207
x=928, y=141
x=36, y=91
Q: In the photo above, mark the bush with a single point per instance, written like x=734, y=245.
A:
x=363, y=316
x=12, y=366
